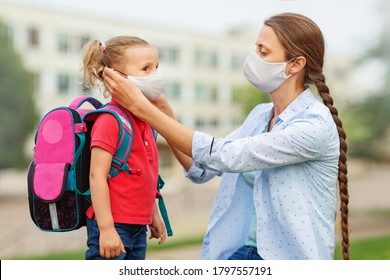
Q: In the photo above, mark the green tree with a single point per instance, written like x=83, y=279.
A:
x=249, y=96
x=18, y=114
x=367, y=122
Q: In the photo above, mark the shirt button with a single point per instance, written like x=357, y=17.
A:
x=146, y=143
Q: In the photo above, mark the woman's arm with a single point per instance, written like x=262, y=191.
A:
x=162, y=104
x=131, y=98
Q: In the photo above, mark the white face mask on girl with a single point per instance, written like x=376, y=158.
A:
x=265, y=76
x=151, y=86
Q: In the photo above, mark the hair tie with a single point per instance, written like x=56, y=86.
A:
x=102, y=46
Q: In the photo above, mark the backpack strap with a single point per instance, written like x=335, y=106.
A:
x=78, y=101
x=80, y=130
x=161, y=204
x=125, y=138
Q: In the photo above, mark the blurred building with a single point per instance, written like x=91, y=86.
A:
x=201, y=69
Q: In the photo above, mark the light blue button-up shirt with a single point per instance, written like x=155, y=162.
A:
x=294, y=194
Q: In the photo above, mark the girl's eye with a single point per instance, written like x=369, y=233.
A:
x=146, y=68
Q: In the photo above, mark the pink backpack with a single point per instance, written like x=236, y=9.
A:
x=58, y=175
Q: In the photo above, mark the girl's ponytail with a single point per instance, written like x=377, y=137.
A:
x=92, y=63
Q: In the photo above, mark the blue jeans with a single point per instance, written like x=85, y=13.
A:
x=133, y=238
x=245, y=253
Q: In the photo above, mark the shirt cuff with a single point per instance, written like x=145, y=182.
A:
x=201, y=147
x=194, y=173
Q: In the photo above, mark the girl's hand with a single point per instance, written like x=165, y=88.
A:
x=162, y=104
x=157, y=227
x=110, y=243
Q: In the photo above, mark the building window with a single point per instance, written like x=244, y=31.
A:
x=33, y=37
x=200, y=93
x=199, y=123
x=206, y=93
x=83, y=41
x=213, y=60
x=199, y=57
x=214, y=123
x=35, y=82
x=165, y=159
x=169, y=54
x=206, y=58
x=70, y=43
x=63, y=84
x=173, y=91
x=63, y=43
x=213, y=94
x=237, y=61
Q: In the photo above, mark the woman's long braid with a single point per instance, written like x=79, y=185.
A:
x=323, y=91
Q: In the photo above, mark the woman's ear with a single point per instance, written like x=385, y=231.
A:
x=297, y=65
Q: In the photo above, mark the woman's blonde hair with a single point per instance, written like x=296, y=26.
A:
x=97, y=55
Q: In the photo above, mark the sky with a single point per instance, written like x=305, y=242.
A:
x=349, y=26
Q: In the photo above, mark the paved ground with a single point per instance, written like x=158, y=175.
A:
x=188, y=208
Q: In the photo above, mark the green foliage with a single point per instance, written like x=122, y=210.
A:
x=249, y=97
x=17, y=111
x=377, y=248
x=367, y=122
x=367, y=126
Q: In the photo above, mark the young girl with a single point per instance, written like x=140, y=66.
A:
x=124, y=205
x=277, y=198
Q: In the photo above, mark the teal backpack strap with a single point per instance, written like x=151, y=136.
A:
x=161, y=204
x=71, y=179
x=125, y=139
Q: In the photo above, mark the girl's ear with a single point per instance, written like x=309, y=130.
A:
x=297, y=65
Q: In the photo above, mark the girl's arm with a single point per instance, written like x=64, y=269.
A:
x=157, y=227
x=130, y=97
x=110, y=242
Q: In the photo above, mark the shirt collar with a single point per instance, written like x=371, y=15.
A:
x=299, y=105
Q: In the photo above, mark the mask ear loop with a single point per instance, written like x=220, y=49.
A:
x=120, y=73
x=288, y=63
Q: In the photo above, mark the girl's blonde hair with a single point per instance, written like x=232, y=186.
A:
x=97, y=55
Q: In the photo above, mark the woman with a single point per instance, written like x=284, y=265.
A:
x=277, y=198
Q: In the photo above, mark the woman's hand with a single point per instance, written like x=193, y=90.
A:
x=124, y=91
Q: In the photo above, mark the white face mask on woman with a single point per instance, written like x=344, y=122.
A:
x=265, y=76
x=151, y=86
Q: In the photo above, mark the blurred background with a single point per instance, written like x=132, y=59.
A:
x=202, y=45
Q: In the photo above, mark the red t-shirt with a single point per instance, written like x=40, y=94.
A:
x=132, y=197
